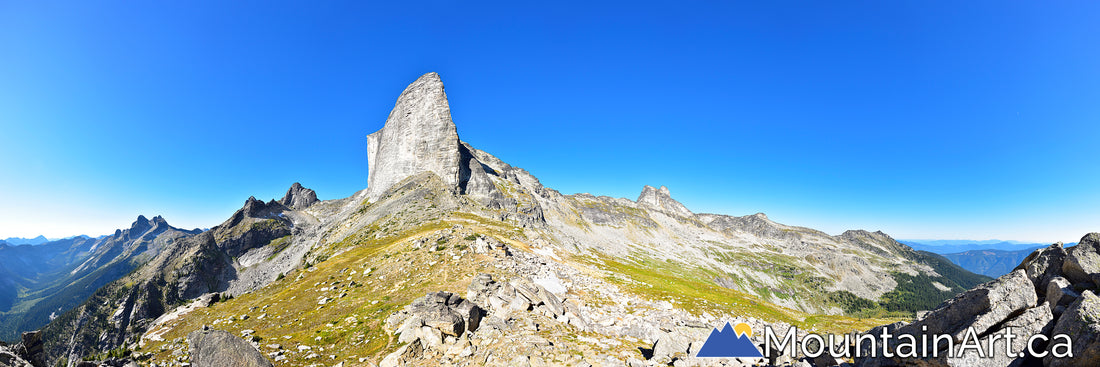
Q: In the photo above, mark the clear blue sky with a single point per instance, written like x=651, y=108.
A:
x=973, y=119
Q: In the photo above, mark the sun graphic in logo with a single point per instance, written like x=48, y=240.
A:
x=743, y=329
x=730, y=342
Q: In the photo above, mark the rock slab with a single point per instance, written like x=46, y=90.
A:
x=1081, y=322
x=218, y=348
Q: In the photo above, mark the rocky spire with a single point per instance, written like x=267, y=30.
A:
x=418, y=136
x=660, y=199
x=298, y=197
x=140, y=225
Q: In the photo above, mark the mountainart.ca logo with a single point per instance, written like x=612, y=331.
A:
x=730, y=342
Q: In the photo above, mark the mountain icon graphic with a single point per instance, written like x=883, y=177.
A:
x=728, y=343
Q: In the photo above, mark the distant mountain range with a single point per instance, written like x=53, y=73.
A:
x=26, y=241
x=16, y=241
x=40, y=282
x=955, y=246
x=992, y=258
x=992, y=263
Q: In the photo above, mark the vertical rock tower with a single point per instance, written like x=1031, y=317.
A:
x=418, y=136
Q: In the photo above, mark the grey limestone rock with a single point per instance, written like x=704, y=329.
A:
x=1083, y=261
x=1060, y=292
x=403, y=355
x=981, y=309
x=481, y=288
x=436, y=314
x=1044, y=264
x=418, y=136
x=661, y=200
x=1036, y=320
x=550, y=301
x=1081, y=322
x=218, y=348
x=670, y=346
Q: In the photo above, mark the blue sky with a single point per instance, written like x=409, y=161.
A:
x=974, y=119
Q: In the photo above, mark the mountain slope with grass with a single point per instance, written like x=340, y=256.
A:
x=452, y=256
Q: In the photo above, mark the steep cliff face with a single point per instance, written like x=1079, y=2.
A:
x=418, y=136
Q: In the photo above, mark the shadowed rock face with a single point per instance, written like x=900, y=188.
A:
x=217, y=348
x=298, y=197
x=418, y=136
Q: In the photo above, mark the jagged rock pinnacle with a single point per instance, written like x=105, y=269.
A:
x=298, y=197
x=140, y=225
x=418, y=136
x=660, y=199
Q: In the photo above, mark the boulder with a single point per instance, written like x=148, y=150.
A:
x=1060, y=292
x=1081, y=322
x=1043, y=264
x=1082, y=262
x=1036, y=320
x=481, y=287
x=434, y=318
x=980, y=308
x=526, y=291
x=218, y=348
x=670, y=346
x=408, y=330
x=435, y=312
x=519, y=303
x=404, y=355
x=824, y=360
x=9, y=358
x=551, y=301
x=470, y=313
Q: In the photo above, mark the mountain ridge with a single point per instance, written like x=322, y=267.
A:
x=436, y=205
x=77, y=266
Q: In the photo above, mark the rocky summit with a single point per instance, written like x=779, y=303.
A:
x=453, y=257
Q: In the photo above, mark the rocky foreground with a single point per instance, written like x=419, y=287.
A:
x=1051, y=293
